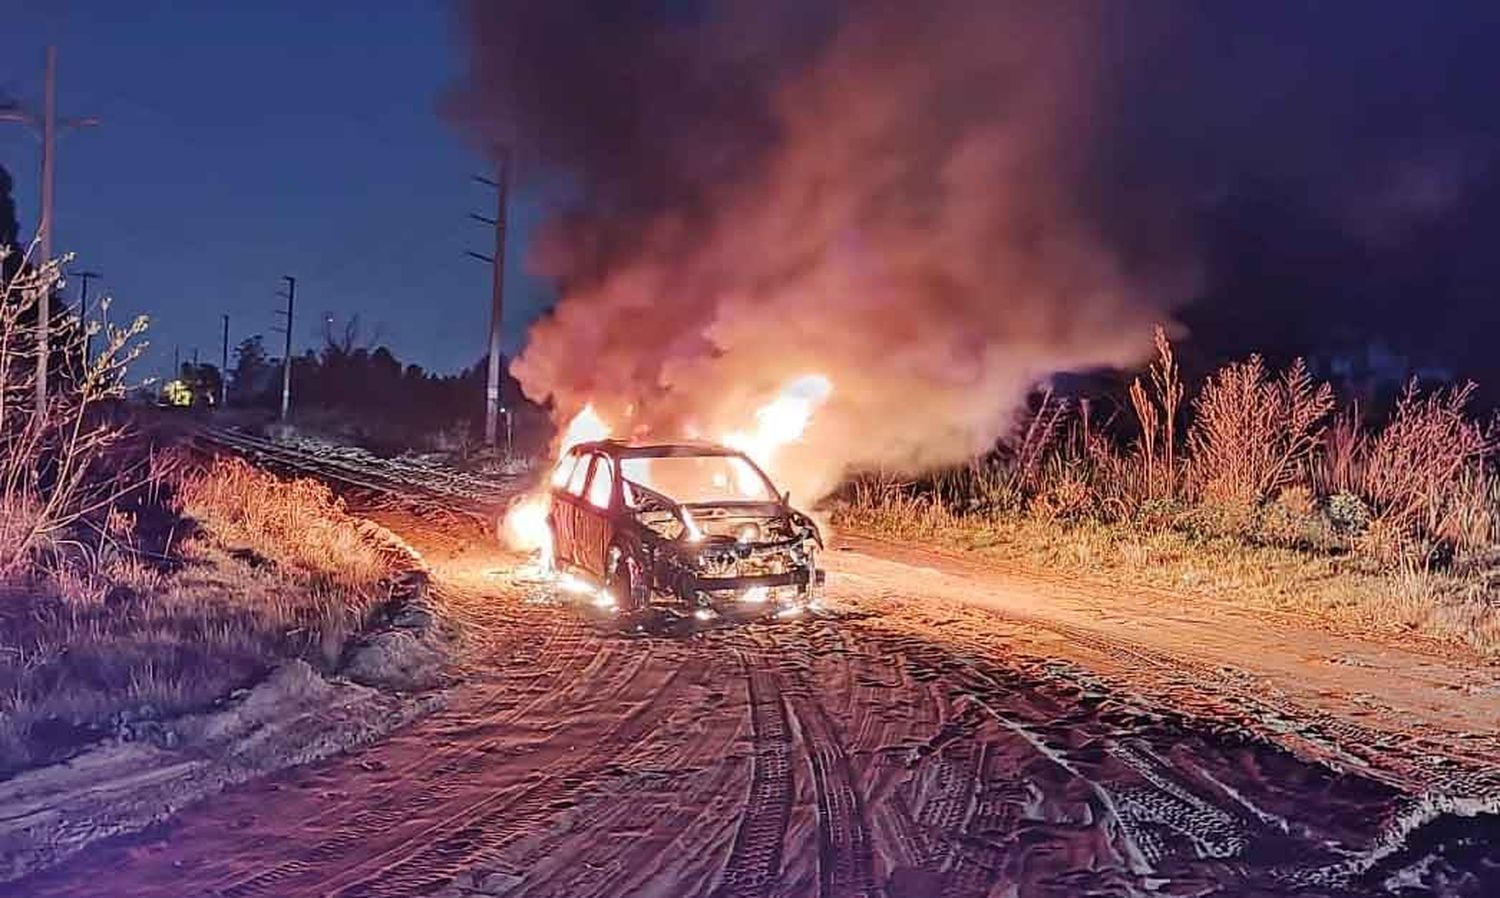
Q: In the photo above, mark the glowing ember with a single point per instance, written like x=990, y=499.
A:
x=783, y=420
x=756, y=595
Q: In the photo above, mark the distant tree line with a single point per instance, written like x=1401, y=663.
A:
x=368, y=384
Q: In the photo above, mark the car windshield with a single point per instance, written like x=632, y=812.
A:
x=700, y=479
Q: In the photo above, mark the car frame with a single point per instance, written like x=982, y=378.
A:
x=636, y=543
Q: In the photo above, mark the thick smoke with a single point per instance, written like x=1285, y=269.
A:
x=902, y=196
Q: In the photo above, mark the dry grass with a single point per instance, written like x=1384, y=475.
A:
x=243, y=571
x=127, y=596
x=1255, y=498
x=298, y=525
x=1345, y=590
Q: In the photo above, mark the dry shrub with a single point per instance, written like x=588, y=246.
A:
x=885, y=504
x=1156, y=411
x=298, y=524
x=1413, y=472
x=54, y=467
x=1036, y=440
x=1252, y=436
x=1065, y=494
x=274, y=570
x=1470, y=518
x=1337, y=469
x=1292, y=519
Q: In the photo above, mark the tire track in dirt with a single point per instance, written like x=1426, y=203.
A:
x=478, y=833
x=436, y=771
x=1239, y=700
x=845, y=856
x=1400, y=760
x=845, y=851
x=754, y=864
x=1460, y=764
x=669, y=787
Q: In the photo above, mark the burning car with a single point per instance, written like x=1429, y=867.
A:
x=700, y=523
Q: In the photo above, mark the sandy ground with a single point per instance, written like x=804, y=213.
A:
x=943, y=730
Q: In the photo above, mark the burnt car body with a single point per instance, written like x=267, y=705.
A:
x=697, y=522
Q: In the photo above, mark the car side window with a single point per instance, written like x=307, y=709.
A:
x=602, y=486
x=563, y=473
x=580, y=476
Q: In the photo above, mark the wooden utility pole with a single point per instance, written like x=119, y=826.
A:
x=286, y=361
x=44, y=228
x=224, y=368
x=46, y=125
x=492, y=407
x=83, y=311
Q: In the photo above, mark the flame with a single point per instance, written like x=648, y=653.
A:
x=783, y=420
x=526, y=527
x=585, y=427
x=525, y=523
x=778, y=423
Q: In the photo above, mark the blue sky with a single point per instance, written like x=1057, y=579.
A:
x=244, y=141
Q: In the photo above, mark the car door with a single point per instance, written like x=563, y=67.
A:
x=566, y=502
x=595, y=516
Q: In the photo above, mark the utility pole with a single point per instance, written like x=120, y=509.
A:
x=492, y=408
x=224, y=368
x=46, y=125
x=286, y=362
x=83, y=311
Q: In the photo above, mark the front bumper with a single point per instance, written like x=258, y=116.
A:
x=803, y=579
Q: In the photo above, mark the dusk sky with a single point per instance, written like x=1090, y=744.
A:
x=1330, y=168
x=243, y=141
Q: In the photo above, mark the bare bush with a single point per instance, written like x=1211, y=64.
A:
x=52, y=458
x=1414, y=469
x=1252, y=436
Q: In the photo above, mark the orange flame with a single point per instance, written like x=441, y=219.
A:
x=525, y=525
x=778, y=423
x=585, y=427
x=783, y=420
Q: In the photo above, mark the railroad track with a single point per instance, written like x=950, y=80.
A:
x=474, y=495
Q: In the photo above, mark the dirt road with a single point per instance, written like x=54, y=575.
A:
x=851, y=754
x=933, y=734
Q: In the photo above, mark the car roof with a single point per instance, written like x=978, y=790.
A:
x=682, y=449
